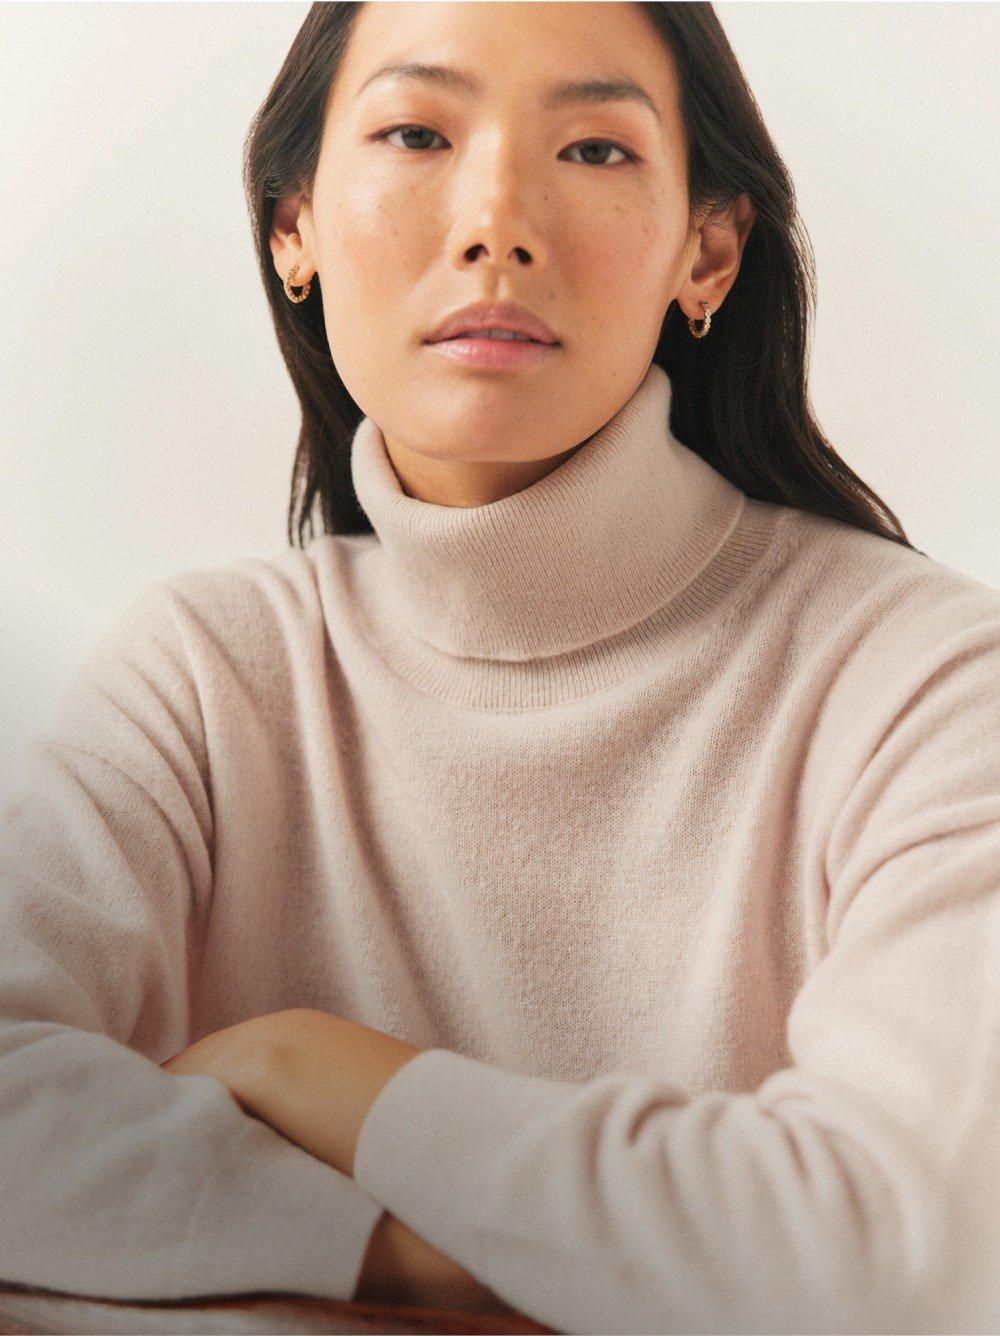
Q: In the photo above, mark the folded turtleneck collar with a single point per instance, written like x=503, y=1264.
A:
x=612, y=534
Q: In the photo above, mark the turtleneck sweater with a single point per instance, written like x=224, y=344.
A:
x=664, y=820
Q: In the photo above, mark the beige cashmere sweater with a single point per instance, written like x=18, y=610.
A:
x=665, y=820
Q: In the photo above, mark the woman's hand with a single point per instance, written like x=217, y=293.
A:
x=310, y=1075
x=238, y=1056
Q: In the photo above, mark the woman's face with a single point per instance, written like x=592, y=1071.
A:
x=575, y=209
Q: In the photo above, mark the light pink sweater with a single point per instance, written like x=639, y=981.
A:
x=666, y=820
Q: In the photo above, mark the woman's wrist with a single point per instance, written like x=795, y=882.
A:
x=400, y=1267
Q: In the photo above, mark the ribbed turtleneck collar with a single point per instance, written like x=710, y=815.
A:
x=611, y=535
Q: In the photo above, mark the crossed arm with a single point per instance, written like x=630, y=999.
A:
x=313, y=1077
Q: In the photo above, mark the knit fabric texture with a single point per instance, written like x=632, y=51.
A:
x=664, y=820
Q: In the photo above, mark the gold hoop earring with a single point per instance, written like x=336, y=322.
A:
x=707, y=322
x=303, y=294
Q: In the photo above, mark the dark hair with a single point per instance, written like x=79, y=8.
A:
x=739, y=395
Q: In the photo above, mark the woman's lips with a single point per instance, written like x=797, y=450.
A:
x=492, y=354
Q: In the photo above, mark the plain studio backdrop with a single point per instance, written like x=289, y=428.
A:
x=149, y=425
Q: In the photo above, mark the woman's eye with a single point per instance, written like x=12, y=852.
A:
x=600, y=144
x=406, y=130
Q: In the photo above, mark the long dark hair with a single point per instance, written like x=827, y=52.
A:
x=739, y=395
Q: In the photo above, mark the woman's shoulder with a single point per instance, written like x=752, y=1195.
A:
x=248, y=598
x=880, y=624
x=865, y=646
x=250, y=622
x=839, y=575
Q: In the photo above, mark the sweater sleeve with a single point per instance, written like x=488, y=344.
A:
x=119, y=1179
x=855, y=1190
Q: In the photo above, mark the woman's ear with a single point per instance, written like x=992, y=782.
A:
x=718, y=250
x=291, y=239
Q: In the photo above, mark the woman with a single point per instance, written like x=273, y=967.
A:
x=579, y=859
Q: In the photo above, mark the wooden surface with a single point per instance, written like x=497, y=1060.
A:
x=24, y=1311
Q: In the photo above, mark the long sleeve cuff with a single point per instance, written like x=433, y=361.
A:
x=426, y=1137
x=272, y=1217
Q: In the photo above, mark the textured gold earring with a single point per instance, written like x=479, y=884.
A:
x=707, y=322
x=303, y=294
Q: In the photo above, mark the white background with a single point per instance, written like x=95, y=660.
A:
x=148, y=424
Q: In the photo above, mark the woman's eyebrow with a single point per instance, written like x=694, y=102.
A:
x=557, y=95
